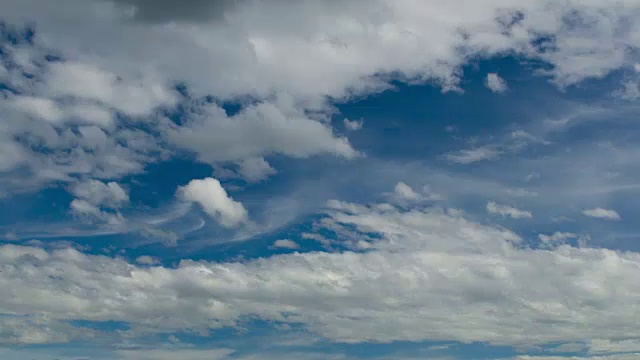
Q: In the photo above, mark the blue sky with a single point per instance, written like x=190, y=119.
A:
x=319, y=180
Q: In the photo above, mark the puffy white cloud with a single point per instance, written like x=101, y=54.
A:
x=88, y=82
x=215, y=201
x=601, y=213
x=353, y=125
x=403, y=193
x=286, y=244
x=506, y=210
x=495, y=83
x=262, y=129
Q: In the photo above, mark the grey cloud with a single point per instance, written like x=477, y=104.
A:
x=179, y=10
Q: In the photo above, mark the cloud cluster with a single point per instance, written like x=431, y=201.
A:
x=99, y=201
x=284, y=74
x=428, y=275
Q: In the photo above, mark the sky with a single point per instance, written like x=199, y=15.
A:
x=310, y=180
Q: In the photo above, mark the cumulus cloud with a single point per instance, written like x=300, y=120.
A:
x=262, y=129
x=214, y=200
x=495, y=83
x=506, y=210
x=601, y=213
x=286, y=244
x=353, y=125
x=405, y=191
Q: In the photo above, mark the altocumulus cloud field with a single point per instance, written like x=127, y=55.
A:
x=349, y=180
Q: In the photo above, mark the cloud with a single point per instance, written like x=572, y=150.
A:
x=495, y=83
x=94, y=196
x=286, y=244
x=262, y=129
x=96, y=192
x=147, y=260
x=255, y=169
x=506, y=210
x=172, y=354
x=601, y=213
x=353, y=125
x=405, y=193
x=172, y=10
x=254, y=61
x=213, y=199
x=473, y=155
x=428, y=275
x=83, y=209
x=558, y=238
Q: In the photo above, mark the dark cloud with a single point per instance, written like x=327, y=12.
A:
x=179, y=10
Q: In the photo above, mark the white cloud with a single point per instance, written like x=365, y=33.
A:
x=110, y=194
x=506, y=210
x=262, y=129
x=353, y=125
x=255, y=169
x=94, y=196
x=83, y=209
x=601, y=213
x=495, y=83
x=558, y=238
x=213, y=199
x=405, y=193
x=147, y=260
x=473, y=155
x=90, y=83
x=286, y=244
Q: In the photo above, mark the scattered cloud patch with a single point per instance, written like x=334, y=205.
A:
x=495, y=83
x=214, y=200
x=473, y=155
x=600, y=213
x=353, y=125
x=147, y=260
x=508, y=211
x=286, y=244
